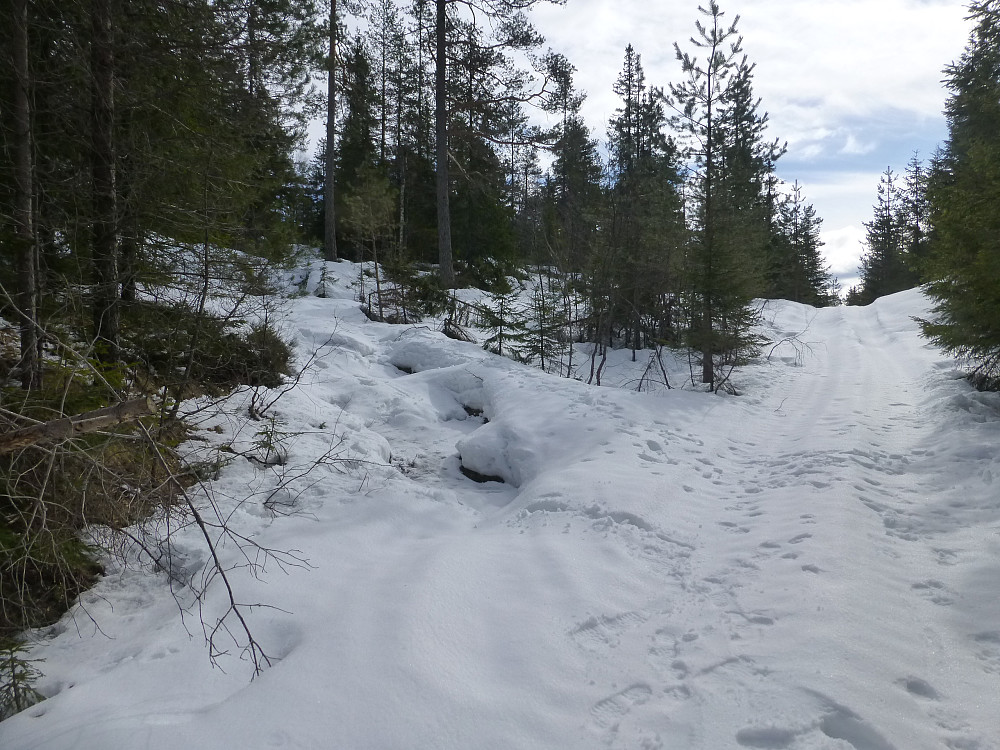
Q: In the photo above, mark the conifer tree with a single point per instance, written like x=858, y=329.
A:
x=547, y=322
x=104, y=215
x=329, y=179
x=916, y=215
x=645, y=230
x=357, y=147
x=506, y=324
x=963, y=267
x=442, y=168
x=573, y=186
x=18, y=126
x=145, y=133
x=747, y=183
x=510, y=31
x=884, y=263
x=797, y=270
x=724, y=129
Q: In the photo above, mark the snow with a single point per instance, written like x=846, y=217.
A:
x=812, y=565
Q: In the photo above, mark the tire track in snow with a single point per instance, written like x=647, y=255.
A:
x=728, y=617
x=822, y=512
x=867, y=484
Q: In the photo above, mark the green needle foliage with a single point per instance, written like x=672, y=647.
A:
x=964, y=264
x=17, y=676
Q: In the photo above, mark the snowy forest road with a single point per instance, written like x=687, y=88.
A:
x=812, y=565
x=853, y=544
x=777, y=570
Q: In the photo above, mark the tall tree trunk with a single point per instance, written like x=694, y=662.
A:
x=329, y=185
x=105, y=232
x=127, y=209
x=129, y=255
x=708, y=283
x=446, y=269
x=253, y=69
x=27, y=298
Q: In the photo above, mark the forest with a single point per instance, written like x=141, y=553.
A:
x=155, y=178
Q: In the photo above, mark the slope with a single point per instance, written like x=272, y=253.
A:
x=812, y=565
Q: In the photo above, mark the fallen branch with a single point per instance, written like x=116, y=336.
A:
x=67, y=427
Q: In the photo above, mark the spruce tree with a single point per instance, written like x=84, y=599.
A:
x=916, y=215
x=330, y=140
x=963, y=267
x=506, y=324
x=797, y=270
x=885, y=268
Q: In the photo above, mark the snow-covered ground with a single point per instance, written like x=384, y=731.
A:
x=812, y=565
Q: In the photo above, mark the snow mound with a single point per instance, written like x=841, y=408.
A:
x=810, y=566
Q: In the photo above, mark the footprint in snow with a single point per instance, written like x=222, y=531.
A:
x=608, y=712
x=773, y=738
x=603, y=631
x=755, y=618
x=918, y=687
x=988, y=651
x=934, y=591
x=946, y=556
x=844, y=725
x=838, y=722
x=735, y=528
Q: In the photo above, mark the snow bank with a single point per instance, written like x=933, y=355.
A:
x=810, y=566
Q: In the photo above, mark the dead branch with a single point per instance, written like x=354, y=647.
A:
x=67, y=427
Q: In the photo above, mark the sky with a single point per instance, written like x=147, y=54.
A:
x=853, y=86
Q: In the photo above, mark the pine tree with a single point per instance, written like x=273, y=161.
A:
x=573, y=186
x=720, y=119
x=20, y=157
x=645, y=232
x=963, y=267
x=510, y=32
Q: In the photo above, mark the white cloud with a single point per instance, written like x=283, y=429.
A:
x=856, y=147
x=852, y=85
x=842, y=249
